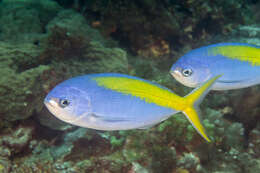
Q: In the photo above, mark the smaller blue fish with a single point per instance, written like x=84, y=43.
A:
x=238, y=63
x=120, y=102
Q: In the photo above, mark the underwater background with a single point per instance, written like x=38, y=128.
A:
x=44, y=42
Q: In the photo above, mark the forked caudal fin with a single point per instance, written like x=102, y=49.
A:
x=193, y=100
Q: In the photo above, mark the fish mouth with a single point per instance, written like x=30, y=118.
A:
x=52, y=105
x=53, y=102
x=176, y=73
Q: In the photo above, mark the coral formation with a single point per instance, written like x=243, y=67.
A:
x=141, y=24
x=15, y=141
x=18, y=87
x=42, y=44
x=24, y=20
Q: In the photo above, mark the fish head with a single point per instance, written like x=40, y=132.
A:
x=68, y=103
x=190, y=72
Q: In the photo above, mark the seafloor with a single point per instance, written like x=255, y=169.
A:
x=43, y=42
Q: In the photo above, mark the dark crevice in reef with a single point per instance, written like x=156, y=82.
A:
x=132, y=23
x=55, y=137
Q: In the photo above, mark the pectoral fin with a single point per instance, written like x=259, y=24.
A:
x=108, y=118
x=230, y=81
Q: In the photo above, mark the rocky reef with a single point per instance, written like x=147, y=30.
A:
x=43, y=42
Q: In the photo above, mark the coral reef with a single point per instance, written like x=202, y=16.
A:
x=29, y=71
x=42, y=44
x=24, y=20
x=13, y=143
x=20, y=88
x=16, y=141
x=148, y=26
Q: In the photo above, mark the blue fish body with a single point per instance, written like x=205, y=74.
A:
x=107, y=109
x=111, y=101
x=238, y=63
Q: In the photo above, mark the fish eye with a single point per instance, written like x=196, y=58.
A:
x=187, y=72
x=64, y=103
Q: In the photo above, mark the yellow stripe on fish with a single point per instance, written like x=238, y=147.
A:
x=239, y=52
x=143, y=90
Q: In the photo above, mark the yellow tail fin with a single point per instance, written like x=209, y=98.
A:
x=193, y=100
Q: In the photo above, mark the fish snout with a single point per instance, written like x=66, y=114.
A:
x=53, y=105
x=177, y=72
x=51, y=101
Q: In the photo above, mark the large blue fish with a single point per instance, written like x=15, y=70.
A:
x=238, y=63
x=113, y=101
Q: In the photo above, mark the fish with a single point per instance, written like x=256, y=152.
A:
x=113, y=101
x=238, y=63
